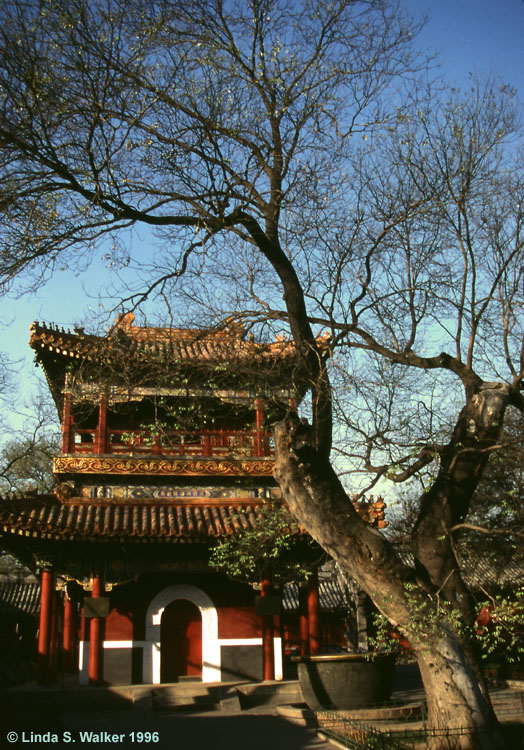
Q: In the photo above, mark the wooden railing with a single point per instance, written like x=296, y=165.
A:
x=251, y=443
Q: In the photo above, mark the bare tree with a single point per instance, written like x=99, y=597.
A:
x=497, y=510
x=28, y=449
x=283, y=152
x=27, y=442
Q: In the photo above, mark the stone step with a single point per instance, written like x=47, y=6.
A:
x=227, y=696
x=270, y=693
x=189, y=695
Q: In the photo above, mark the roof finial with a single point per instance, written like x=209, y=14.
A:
x=125, y=320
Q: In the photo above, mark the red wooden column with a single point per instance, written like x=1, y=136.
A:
x=47, y=588
x=268, y=648
x=53, y=646
x=69, y=635
x=303, y=621
x=313, y=609
x=259, y=434
x=101, y=430
x=67, y=425
x=157, y=445
x=95, y=636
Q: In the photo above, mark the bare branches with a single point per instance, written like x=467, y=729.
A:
x=514, y=531
x=125, y=118
x=231, y=131
x=26, y=457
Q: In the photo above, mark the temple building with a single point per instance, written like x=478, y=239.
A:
x=166, y=448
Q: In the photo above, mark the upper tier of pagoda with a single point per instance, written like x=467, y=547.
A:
x=144, y=391
x=168, y=361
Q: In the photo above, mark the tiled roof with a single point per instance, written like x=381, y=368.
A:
x=150, y=518
x=332, y=596
x=482, y=570
x=20, y=598
x=168, y=521
x=75, y=518
x=167, y=344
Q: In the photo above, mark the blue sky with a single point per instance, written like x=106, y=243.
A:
x=475, y=36
x=472, y=36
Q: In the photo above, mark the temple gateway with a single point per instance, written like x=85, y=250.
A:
x=166, y=448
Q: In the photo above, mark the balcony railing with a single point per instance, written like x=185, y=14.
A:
x=250, y=443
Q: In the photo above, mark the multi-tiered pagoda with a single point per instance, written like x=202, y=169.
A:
x=165, y=449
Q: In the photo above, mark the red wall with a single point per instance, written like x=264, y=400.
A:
x=233, y=622
x=119, y=627
x=238, y=622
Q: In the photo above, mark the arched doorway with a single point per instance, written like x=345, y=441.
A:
x=181, y=641
x=210, y=643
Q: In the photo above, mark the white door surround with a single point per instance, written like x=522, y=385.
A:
x=210, y=642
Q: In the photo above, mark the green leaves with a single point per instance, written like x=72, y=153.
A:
x=273, y=546
x=500, y=628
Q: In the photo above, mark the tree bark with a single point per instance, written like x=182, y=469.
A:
x=455, y=699
x=316, y=497
x=447, y=502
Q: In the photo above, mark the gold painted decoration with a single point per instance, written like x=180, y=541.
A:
x=188, y=493
x=162, y=466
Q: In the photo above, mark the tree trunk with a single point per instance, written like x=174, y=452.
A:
x=447, y=501
x=455, y=700
x=316, y=497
